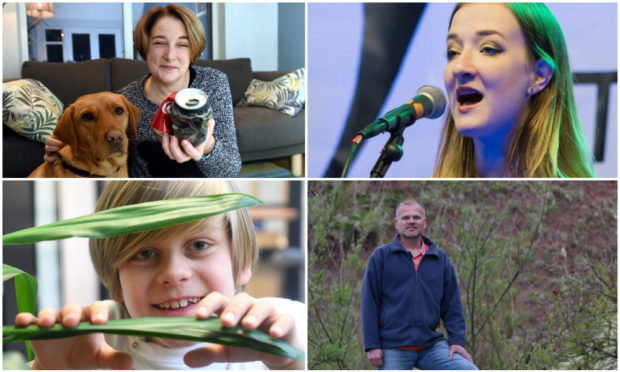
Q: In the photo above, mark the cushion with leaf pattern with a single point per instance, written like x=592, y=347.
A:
x=30, y=109
x=286, y=94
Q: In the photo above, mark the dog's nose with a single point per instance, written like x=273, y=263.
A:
x=114, y=136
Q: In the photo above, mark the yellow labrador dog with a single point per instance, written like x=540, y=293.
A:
x=94, y=129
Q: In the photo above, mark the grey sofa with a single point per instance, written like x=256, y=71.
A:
x=261, y=133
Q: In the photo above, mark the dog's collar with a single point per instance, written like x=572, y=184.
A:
x=80, y=172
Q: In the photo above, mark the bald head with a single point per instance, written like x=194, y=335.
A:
x=411, y=202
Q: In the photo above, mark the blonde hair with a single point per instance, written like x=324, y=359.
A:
x=193, y=26
x=109, y=254
x=548, y=140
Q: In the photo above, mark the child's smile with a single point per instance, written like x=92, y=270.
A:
x=178, y=307
x=169, y=277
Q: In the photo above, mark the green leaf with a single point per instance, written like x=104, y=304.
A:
x=134, y=218
x=9, y=272
x=179, y=328
x=26, y=287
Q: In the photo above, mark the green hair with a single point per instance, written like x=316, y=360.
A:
x=548, y=141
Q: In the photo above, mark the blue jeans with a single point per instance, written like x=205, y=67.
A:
x=434, y=357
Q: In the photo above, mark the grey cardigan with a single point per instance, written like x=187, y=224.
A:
x=146, y=157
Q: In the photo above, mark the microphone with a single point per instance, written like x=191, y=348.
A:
x=429, y=102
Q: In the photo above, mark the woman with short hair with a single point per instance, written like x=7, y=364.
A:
x=170, y=39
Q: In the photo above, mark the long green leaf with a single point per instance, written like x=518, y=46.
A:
x=26, y=287
x=179, y=328
x=134, y=218
x=9, y=272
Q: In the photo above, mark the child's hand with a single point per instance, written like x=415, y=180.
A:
x=251, y=314
x=80, y=352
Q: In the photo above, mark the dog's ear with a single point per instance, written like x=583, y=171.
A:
x=134, y=116
x=65, y=130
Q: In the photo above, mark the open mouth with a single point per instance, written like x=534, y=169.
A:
x=468, y=96
x=178, y=304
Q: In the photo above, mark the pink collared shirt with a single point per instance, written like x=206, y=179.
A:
x=417, y=258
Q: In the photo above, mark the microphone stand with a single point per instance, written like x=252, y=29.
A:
x=392, y=151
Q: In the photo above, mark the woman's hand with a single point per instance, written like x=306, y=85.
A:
x=182, y=151
x=251, y=314
x=81, y=352
x=52, y=146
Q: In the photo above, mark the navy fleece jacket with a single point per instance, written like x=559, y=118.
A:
x=402, y=306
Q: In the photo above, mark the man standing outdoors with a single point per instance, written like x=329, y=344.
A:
x=408, y=287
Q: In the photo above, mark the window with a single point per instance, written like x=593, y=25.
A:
x=107, y=46
x=53, y=45
x=81, y=47
x=78, y=32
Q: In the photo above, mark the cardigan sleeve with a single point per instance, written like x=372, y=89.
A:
x=224, y=160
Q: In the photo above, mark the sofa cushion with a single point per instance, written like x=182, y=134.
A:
x=30, y=109
x=269, y=75
x=20, y=155
x=238, y=70
x=124, y=71
x=286, y=94
x=260, y=128
x=70, y=80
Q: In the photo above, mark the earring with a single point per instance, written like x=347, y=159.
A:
x=530, y=91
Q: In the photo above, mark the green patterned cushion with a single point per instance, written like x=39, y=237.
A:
x=30, y=109
x=286, y=94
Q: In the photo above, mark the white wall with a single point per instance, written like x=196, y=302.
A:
x=291, y=36
x=244, y=29
x=80, y=283
x=14, y=40
x=81, y=18
x=64, y=269
x=89, y=11
x=251, y=30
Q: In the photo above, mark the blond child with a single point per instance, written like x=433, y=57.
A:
x=196, y=268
